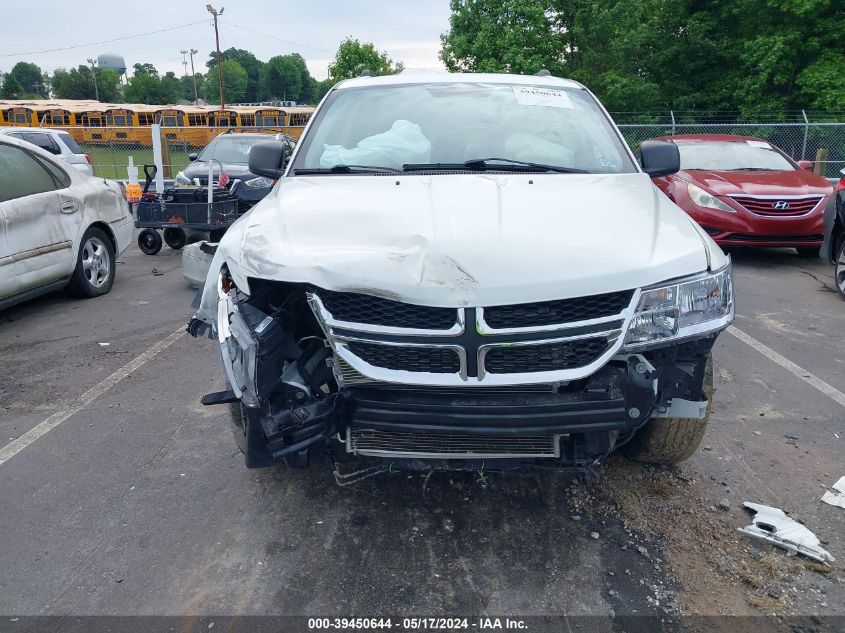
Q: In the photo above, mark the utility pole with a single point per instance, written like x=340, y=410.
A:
x=94, y=75
x=194, y=76
x=217, y=13
x=184, y=63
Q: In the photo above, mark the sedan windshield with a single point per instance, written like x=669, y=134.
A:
x=231, y=149
x=732, y=156
x=462, y=127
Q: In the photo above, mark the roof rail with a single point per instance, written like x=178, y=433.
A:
x=543, y=72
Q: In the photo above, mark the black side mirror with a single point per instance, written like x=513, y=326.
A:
x=268, y=159
x=192, y=156
x=659, y=158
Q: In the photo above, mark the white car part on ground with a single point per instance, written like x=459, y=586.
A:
x=772, y=525
x=836, y=498
x=196, y=258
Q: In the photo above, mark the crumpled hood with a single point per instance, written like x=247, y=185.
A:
x=759, y=183
x=464, y=240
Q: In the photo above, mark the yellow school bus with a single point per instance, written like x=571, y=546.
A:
x=102, y=123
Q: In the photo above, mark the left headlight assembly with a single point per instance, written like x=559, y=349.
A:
x=682, y=309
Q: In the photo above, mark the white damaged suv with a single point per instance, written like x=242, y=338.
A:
x=458, y=270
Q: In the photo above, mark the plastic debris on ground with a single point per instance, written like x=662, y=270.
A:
x=772, y=525
x=837, y=497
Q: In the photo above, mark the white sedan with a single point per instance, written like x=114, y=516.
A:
x=59, y=228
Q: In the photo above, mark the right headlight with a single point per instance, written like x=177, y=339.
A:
x=706, y=200
x=682, y=309
x=182, y=179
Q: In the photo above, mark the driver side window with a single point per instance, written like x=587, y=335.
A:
x=21, y=175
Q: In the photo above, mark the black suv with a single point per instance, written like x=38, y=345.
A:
x=229, y=153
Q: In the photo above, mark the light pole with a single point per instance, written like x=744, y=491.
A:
x=184, y=63
x=217, y=13
x=194, y=76
x=94, y=75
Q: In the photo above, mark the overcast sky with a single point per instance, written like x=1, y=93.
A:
x=408, y=30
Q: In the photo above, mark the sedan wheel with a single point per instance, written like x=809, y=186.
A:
x=839, y=275
x=96, y=262
x=95, y=265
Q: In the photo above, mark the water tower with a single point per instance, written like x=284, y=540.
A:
x=113, y=62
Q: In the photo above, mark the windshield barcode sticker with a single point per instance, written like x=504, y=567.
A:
x=548, y=97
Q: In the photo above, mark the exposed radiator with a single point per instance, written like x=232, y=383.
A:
x=434, y=445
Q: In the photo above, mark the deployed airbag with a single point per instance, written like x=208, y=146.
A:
x=403, y=143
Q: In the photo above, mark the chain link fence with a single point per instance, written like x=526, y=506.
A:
x=800, y=140
x=111, y=147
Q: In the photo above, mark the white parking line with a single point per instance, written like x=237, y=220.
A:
x=16, y=446
x=800, y=372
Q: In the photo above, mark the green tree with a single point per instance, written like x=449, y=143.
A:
x=516, y=36
x=320, y=89
x=821, y=85
x=306, y=92
x=253, y=66
x=186, y=87
x=750, y=56
x=148, y=88
x=353, y=58
x=30, y=78
x=234, y=82
x=171, y=86
x=76, y=83
x=108, y=85
x=283, y=77
x=12, y=88
x=144, y=69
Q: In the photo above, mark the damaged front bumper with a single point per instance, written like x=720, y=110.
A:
x=295, y=391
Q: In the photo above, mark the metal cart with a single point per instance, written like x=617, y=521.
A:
x=176, y=211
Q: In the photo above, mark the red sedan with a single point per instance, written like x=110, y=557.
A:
x=744, y=191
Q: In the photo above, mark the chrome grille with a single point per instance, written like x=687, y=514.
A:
x=544, y=357
x=773, y=206
x=560, y=311
x=429, y=444
x=524, y=345
x=417, y=358
x=359, y=308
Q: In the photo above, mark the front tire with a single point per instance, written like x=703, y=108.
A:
x=672, y=440
x=839, y=273
x=95, y=265
x=807, y=252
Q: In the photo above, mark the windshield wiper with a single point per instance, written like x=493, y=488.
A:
x=492, y=164
x=347, y=169
x=751, y=169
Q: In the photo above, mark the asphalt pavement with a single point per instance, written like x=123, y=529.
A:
x=135, y=500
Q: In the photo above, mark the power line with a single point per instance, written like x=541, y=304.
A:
x=273, y=37
x=117, y=39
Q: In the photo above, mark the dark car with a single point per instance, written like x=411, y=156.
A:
x=833, y=249
x=229, y=154
x=744, y=191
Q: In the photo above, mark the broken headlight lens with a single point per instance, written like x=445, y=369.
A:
x=698, y=305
